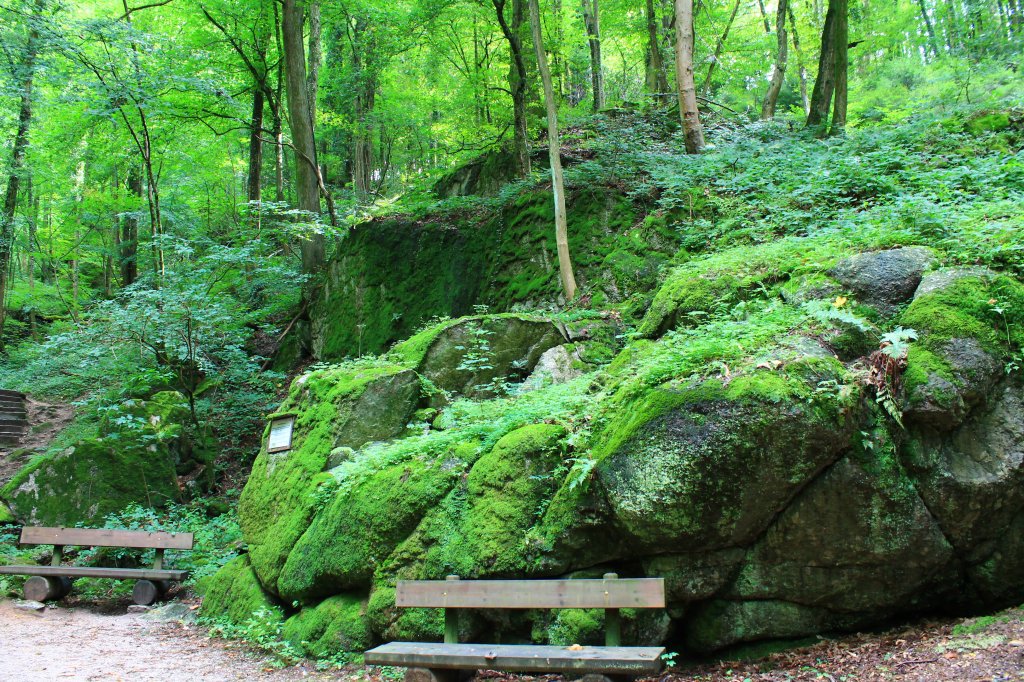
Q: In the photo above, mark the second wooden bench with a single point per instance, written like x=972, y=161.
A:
x=54, y=581
x=435, y=662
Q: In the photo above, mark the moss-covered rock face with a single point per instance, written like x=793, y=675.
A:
x=392, y=276
x=735, y=447
x=234, y=595
x=142, y=447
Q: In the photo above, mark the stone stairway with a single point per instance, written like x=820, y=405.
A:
x=13, y=418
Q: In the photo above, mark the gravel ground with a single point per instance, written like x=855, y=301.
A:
x=94, y=642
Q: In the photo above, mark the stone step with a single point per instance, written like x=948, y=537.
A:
x=4, y=393
x=13, y=420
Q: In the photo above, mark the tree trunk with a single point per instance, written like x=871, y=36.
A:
x=779, y=73
x=825, y=83
x=365, y=100
x=705, y=87
x=254, y=185
x=301, y=123
x=33, y=219
x=933, y=44
x=592, y=22
x=518, y=78
x=557, y=182
x=694, y=133
x=842, y=42
x=315, y=58
x=130, y=231
x=26, y=70
x=657, y=80
x=764, y=17
x=799, y=61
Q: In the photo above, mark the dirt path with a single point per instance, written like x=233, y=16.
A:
x=78, y=644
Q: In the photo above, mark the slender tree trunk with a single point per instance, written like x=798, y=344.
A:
x=254, y=185
x=764, y=17
x=363, y=49
x=657, y=80
x=694, y=133
x=932, y=42
x=130, y=231
x=842, y=42
x=592, y=22
x=33, y=238
x=554, y=149
x=799, y=61
x=315, y=57
x=779, y=73
x=825, y=83
x=518, y=79
x=26, y=71
x=301, y=122
x=705, y=86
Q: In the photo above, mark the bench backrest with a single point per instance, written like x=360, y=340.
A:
x=611, y=593
x=102, y=537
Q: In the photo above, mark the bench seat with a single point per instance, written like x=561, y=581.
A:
x=605, y=660
x=96, y=572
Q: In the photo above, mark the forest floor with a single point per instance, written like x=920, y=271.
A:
x=99, y=641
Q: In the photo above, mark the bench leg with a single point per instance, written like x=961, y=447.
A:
x=437, y=675
x=43, y=588
x=147, y=592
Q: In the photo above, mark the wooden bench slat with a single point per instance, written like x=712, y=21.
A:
x=96, y=572
x=620, y=593
x=520, y=658
x=102, y=537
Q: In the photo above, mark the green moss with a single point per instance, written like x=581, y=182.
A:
x=576, y=626
x=236, y=596
x=92, y=479
x=987, y=122
x=278, y=501
x=335, y=624
x=6, y=516
x=367, y=518
x=410, y=625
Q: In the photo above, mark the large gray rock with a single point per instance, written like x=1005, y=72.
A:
x=473, y=356
x=884, y=279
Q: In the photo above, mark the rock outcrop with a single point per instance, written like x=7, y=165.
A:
x=736, y=448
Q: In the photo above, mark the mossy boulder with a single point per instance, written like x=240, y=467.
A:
x=884, y=279
x=235, y=595
x=474, y=356
x=708, y=466
x=91, y=479
x=334, y=625
x=859, y=539
x=972, y=481
x=342, y=406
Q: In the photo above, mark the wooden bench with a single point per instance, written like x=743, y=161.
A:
x=54, y=581
x=431, y=662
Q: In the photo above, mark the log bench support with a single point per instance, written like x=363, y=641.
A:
x=453, y=661
x=54, y=581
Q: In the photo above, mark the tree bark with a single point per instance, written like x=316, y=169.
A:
x=657, y=80
x=694, y=133
x=366, y=93
x=518, y=79
x=315, y=58
x=130, y=231
x=779, y=73
x=307, y=187
x=592, y=22
x=842, y=42
x=26, y=70
x=554, y=149
x=705, y=86
x=825, y=83
x=799, y=61
x=933, y=44
x=254, y=185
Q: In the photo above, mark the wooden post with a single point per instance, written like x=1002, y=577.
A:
x=158, y=562
x=451, y=621
x=58, y=555
x=612, y=621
